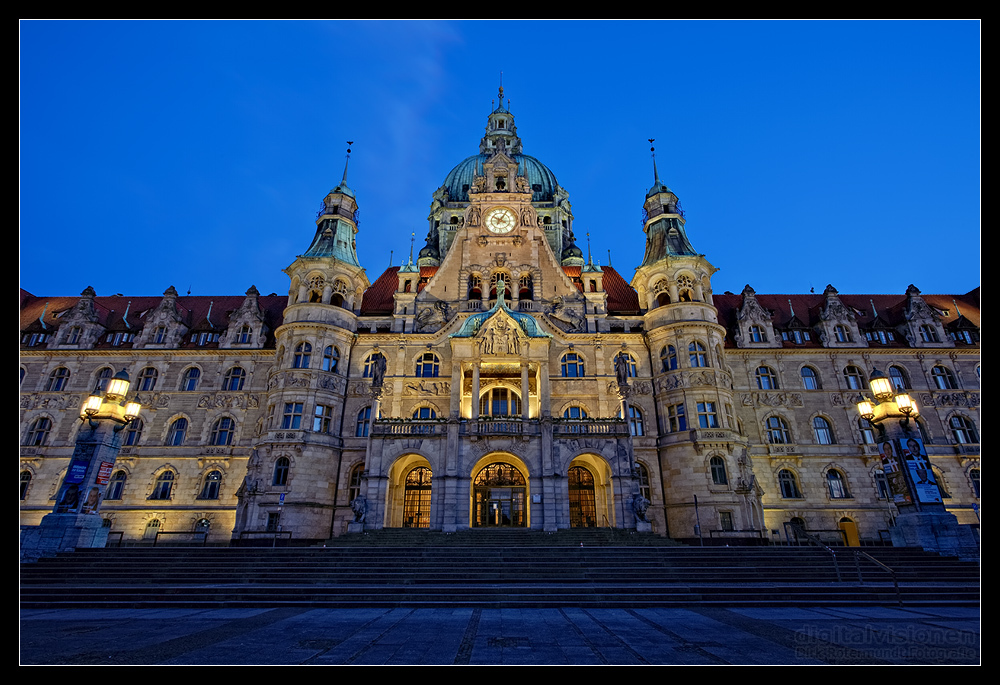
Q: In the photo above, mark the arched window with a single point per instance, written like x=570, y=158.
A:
x=630, y=365
x=424, y=413
x=635, y=423
x=668, y=356
x=210, y=490
x=822, y=431
x=303, y=352
x=810, y=379
x=117, y=485
x=855, y=378
x=718, y=466
x=163, y=486
x=177, y=433
x=38, y=434
x=152, y=528
x=867, y=432
x=475, y=287
x=644, y=487
x=370, y=362
x=835, y=481
x=928, y=333
x=696, y=355
x=898, y=378
x=788, y=485
x=233, y=381
x=572, y=365
x=222, y=431
x=525, y=291
x=757, y=334
x=331, y=357
x=58, y=379
x=25, y=483
x=364, y=421
x=842, y=334
x=74, y=336
x=428, y=365
x=777, y=431
x=944, y=379
x=281, y=471
x=147, y=379
x=767, y=379
x=963, y=431
x=133, y=432
x=103, y=376
x=190, y=380
x=354, y=484
x=575, y=412
x=245, y=335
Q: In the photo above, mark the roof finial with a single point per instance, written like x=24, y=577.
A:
x=343, y=181
x=390, y=259
x=791, y=308
x=957, y=310
x=609, y=256
x=412, y=236
x=500, y=95
x=652, y=153
x=874, y=312
x=590, y=260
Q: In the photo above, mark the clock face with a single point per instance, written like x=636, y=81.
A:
x=500, y=220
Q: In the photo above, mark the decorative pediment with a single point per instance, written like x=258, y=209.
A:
x=246, y=324
x=500, y=335
x=751, y=309
x=917, y=309
x=834, y=309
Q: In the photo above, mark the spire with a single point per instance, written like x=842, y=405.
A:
x=347, y=158
x=658, y=185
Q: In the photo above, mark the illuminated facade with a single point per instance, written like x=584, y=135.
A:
x=500, y=379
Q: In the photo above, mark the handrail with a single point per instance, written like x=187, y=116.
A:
x=801, y=531
x=895, y=581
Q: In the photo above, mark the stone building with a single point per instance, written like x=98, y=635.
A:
x=500, y=379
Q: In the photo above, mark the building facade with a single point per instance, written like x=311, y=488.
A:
x=500, y=379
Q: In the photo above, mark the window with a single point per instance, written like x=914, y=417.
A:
x=928, y=333
x=152, y=529
x=668, y=355
x=74, y=336
x=370, y=364
x=881, y=485
x=726, y=520
x=963, y=431
x=117, y=339
x=757, y=334
x=292, y=416
x=117, y=486
x=789, y=487
x=835, y=481
x=973, y=477
x=234, y=379
x=630, y=366
x=210, y=490
x=303, y=352
x=867, y=433
x=766, y=378
x=133, y=432
x=499, y=402
x=777, y=431
x=707, y=416
x=354, y=484
x=795, y=336
x=103, y=376
x=898, y=378
x=160, y=335
x=428, y=366
x=281, y=471
x=24, y=483
x=245, y=335
x=855, y=378
x=163, y=486
x=364, y=421
x=644, y=488
x=944, y=379
x=322, y=419
x=575, y=413
x=204, y=338
x=696, y=355
x=572, y=365
x=842, y=334
x=675, y=418
x=822, y=431
x=58, y=379
x=718, y=466
x=424, y=413
x=331, y=357
x=38, y=434
x=190, y=381
x=222, y=431
x=635, y=423
x=810, y=380
x=147, y=379
x=178, y=432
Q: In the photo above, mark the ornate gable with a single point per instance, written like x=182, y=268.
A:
x=247, y=328
x=838, y=324
x=163, y=326
x=754, y=327
x=80, y=327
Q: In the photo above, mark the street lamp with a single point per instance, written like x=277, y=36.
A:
x=74, y=521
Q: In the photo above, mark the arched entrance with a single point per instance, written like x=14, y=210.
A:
x=417, y=498
x=582, y=501
x=499, y=497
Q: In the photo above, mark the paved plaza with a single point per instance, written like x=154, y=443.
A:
x=469, y=636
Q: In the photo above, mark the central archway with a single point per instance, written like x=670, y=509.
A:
x=582, y=500
x=499, y=497
x=417, y=498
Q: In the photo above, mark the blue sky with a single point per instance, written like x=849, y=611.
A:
x=195, y=154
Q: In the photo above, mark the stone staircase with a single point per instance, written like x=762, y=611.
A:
x=492, y=569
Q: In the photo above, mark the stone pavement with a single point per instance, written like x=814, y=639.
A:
x=862, y=635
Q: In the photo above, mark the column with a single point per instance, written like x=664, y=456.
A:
x=525, y=400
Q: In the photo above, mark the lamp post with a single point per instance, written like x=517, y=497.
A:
x=923, y=520
x=74, y=521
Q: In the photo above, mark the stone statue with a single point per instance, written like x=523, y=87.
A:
x=621, y=368
x=639, y=506
x=378, y=370
x=359, y=505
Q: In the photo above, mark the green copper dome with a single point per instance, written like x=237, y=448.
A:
x=540, y=177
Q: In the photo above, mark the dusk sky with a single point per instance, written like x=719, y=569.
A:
x=195, y=154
